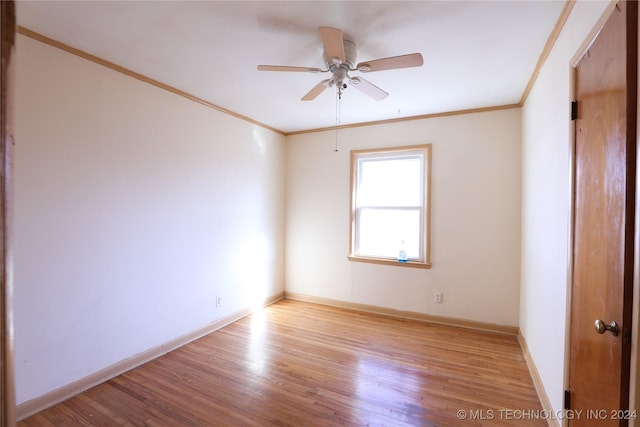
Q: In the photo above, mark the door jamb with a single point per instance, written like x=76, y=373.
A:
x=7, y=48
x=634, y=377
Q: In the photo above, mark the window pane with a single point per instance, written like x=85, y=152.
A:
x=390, y=182
x=382, y=232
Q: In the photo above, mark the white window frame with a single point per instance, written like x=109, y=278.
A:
x=393, y=153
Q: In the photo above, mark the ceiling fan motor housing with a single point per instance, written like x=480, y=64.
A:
x=349, y=55
x=340, y=69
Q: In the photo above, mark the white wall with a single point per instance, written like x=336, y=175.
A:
x=475, y=241
x=546, y=203
x=134, y=209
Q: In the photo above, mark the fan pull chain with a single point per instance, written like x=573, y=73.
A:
x=338, y=98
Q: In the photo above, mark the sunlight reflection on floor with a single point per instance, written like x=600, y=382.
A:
x=383, y=386
x=257, y=354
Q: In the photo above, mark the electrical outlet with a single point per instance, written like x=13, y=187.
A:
x=218, y=301
x=437, y=297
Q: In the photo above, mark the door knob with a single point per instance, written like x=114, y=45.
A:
x=602, y=327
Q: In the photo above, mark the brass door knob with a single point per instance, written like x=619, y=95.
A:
x=602, y=327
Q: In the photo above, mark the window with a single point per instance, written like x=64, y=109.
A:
x=390, y=193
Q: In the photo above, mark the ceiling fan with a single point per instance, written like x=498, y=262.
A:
x=340, y=58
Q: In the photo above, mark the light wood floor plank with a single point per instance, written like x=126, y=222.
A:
x=302, y=364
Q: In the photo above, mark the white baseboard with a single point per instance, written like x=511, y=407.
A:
x=33, y=406
x=422, y=317
x=47, y=400
x=537, y=381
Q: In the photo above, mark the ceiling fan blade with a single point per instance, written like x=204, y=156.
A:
x=317, y=90
x=288, y=68
x=369, y=88
x=391, y=63
x=333, y=43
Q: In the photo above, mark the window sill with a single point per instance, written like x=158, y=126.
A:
x=388, y=261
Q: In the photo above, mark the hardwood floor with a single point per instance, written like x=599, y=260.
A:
x=301, y=364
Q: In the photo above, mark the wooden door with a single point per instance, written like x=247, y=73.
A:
x=603, y=222
x=7, y=400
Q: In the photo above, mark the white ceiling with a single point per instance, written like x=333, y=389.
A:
x=476, y=53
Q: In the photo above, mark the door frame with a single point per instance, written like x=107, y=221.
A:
x=634, y=373
x=7, y=40
x=634, y=384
